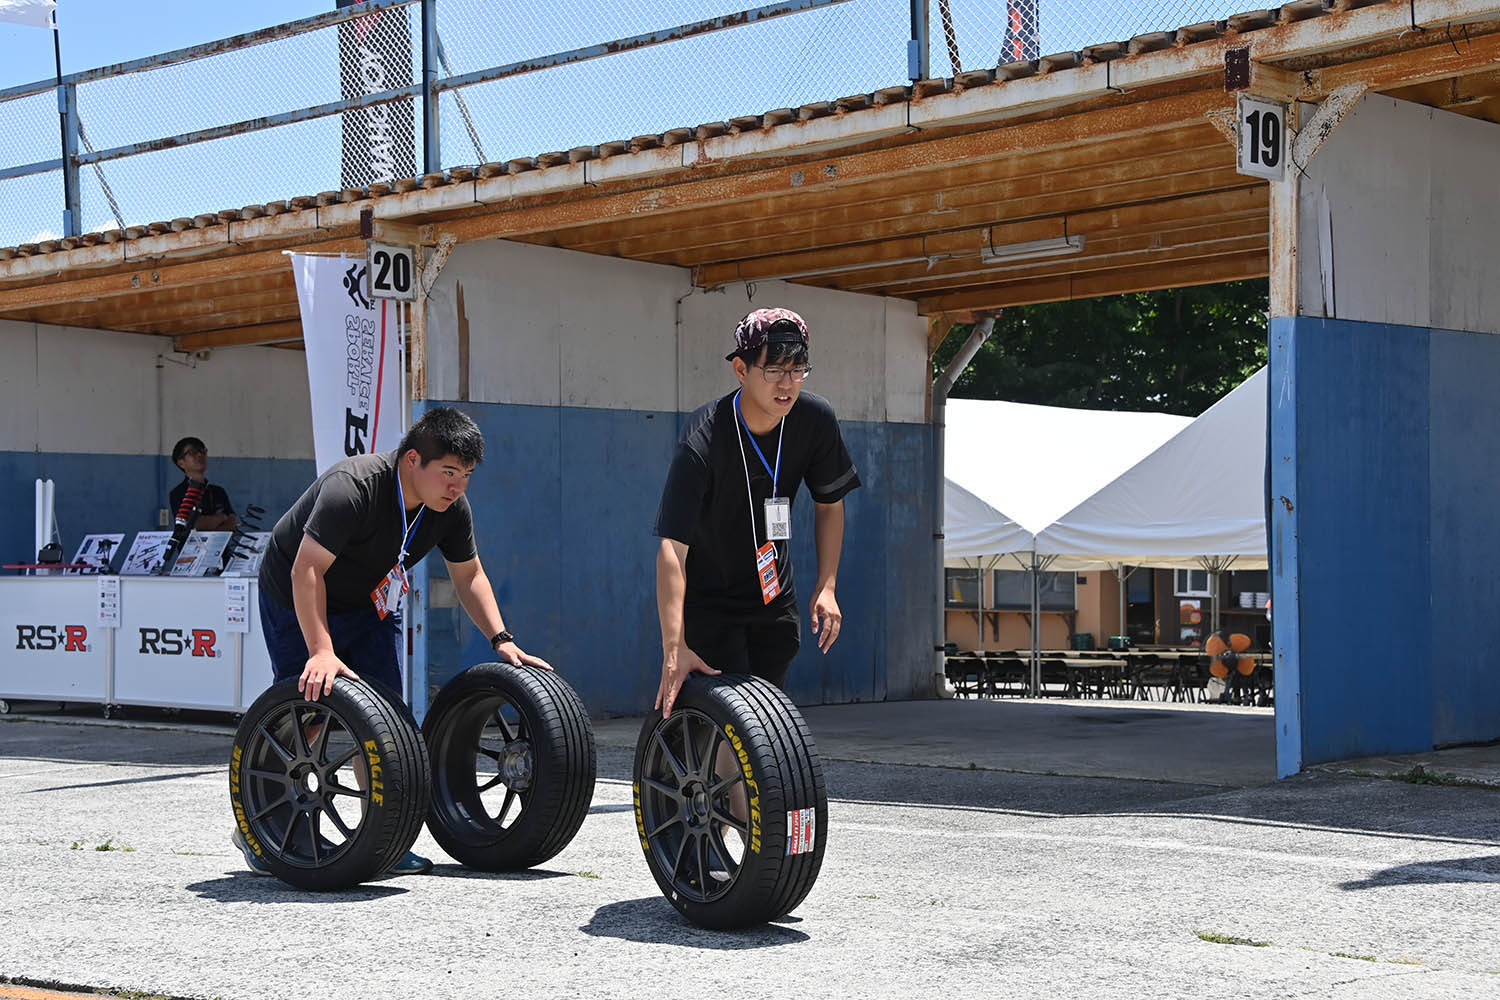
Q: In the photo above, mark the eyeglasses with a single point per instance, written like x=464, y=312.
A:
x=774, y=375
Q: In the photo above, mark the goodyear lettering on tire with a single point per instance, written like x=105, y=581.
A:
x=751, y=788
x=239, y=810
x=640, y=817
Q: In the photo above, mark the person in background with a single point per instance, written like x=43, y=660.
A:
x=215, y=513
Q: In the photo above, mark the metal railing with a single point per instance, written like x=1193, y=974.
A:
x=387, y=89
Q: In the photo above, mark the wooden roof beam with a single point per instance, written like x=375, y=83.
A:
x=1136, y=279
x=241, y=336
x=147, y=278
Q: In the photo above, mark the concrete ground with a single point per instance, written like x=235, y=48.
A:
x=976, y=848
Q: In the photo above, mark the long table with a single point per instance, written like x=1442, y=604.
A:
x=178, y=642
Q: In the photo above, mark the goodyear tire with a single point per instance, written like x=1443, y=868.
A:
x=513, y=766
x=328, y=793
x=720, y=870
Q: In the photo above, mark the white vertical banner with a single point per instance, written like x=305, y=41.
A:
x=353, y=358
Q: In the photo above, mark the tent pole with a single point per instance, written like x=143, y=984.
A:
x=1036, y=627
x=940, y=389
x=1122, y=573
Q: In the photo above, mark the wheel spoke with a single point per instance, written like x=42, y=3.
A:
x=286, y=835
x=694, y=765
x=681, y=850
x=281, y=751
x=731, y=865
x=493, y=755
x=672, y=760
x=663, y=787
x=320, y=752
x=723, y=785
x=267, y=808
x=491, y=783
x=346, y=758
x=504, y=726
x=739, y=826
x=316, y=827
x=336, y=819
x=335, y=788
x=280, y=777
x=300, y=728
x=510, y=797
x=666, y=824
x=701, y=855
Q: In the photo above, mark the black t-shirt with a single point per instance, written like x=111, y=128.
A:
x=352, y=510
x=212, y=501
x=705, y=506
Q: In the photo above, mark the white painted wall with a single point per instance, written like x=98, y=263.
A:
x=70, y=390
x=1405, y=197
x=550, y=327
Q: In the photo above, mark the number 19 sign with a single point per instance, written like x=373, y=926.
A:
x=392, y=271
x=1261, y=139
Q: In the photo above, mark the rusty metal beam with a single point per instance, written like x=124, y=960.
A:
x=216, y=321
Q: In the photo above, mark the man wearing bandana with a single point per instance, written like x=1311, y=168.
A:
x=724, y=591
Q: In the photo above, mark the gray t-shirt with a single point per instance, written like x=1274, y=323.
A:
x=352, y=510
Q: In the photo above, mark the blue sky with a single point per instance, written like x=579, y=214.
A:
x=848, y=48
x=99, y=32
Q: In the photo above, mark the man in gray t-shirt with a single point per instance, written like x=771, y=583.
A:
x=334, y=573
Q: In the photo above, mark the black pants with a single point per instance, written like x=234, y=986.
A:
x=762, y=643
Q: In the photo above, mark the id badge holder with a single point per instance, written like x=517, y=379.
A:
x=765, y=568
x=778, y=519
x=388, y=594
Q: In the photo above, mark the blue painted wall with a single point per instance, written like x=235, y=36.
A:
x=564, y=504
x=1384, y=541
x=109, y=493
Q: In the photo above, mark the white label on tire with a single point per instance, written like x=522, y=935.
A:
x=801, y=829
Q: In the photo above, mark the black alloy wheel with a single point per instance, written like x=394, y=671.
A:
x=730, y=805
x=330, y=793
x=513, y=766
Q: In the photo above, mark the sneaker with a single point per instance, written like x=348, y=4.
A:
x=412, y=864
x=252, y=860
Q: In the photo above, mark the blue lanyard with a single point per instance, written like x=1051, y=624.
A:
x=775, y=474
x=406, y=533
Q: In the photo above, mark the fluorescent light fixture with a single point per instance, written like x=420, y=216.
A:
x=1054, y=246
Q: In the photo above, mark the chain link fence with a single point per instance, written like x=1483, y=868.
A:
x=248, y=120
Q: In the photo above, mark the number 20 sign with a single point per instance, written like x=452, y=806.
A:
x=1261, y=139
x=392, y=271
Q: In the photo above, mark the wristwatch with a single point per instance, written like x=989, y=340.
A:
x=501, y=636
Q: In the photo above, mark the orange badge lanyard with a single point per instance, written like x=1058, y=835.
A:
x=765, y=555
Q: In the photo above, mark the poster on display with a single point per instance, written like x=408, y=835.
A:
x=246, y=554
x=237, y=605
x=146, y=553
x=201, y=553
x=109, y=602
x=96, y=552
x=353, y=358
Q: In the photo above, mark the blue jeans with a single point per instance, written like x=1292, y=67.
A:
x=367, y=645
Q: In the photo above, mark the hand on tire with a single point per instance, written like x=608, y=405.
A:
x=510, y=653
x=318, y=676
x=674, y=670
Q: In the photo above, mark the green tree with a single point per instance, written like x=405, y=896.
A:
x=1170, y=351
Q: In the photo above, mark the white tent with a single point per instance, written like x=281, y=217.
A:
x=1199, y=496
x=1012, y=469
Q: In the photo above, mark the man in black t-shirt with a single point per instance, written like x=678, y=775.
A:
x=214, y=510
x=335, y=568
x=724, y=590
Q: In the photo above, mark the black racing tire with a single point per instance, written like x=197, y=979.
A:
x=502, y=736
x=718, y=871
x=294, y=783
